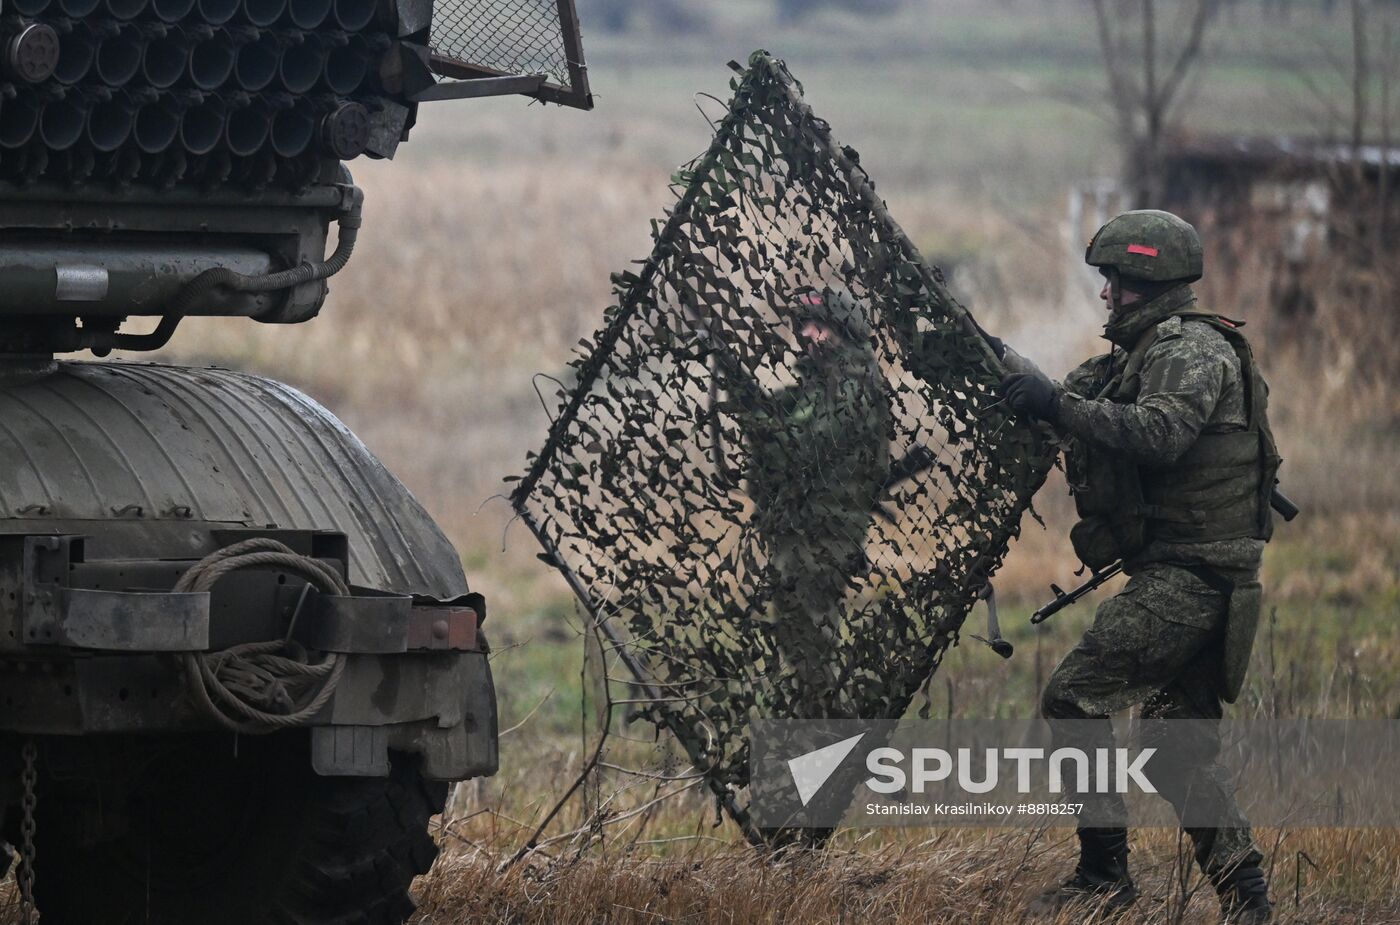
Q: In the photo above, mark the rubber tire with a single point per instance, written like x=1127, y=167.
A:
x=300, y=850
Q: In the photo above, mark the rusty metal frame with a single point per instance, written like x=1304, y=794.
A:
x=579, y=93
x=473, y=80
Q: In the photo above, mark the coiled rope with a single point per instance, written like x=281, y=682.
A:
x=261, y=687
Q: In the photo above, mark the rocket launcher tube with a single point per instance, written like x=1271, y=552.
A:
x=347, y=67
x=77, y=9
x=77, y=49
x=258, y=63
x=353, y=15
x=157, y=124
x=263, y=12
x=250, y=121
x=21, y=121
x=167, y=56
x=62, y=121
x=119, y=56
x=293, y=130
x=202, y=126
x=172, y=11
x=308, y=14
x=126, y=9
x=111, y=121
x=303, y=62
x=212, y=60
x=216, y=12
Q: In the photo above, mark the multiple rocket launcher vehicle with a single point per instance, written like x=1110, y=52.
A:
x=238, y=660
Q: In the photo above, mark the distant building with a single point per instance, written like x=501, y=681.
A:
x=1296, y=199
x=1324, y=189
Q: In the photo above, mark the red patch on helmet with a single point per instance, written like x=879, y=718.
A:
x=1142, y=249
x=813, y=298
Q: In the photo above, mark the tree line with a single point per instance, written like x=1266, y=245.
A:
x=684, y=16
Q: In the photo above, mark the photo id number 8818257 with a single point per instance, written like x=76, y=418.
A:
x=1050, y=809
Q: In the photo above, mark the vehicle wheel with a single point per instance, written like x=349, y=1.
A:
x=204, y=835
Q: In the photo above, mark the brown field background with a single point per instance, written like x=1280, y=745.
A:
x=485, y=256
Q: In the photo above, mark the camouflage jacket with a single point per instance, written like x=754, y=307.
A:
x=1167, y=378
x=818, y=451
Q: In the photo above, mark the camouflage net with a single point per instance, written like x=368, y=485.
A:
x=508, y=36
x=762, y=524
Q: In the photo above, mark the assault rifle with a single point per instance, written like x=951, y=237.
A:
x=1278, y=501
x=1064, y=598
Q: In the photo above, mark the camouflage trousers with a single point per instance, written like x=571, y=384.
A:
x=1157, y=644
x=810, y=580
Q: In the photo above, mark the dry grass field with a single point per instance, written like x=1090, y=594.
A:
x=486, y=256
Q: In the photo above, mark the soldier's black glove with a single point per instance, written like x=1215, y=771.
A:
x=996, y=343
x=1030, y=393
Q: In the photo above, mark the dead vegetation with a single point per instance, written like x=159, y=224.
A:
x=428, y=348
x=477, y=278
x=963, y=876
x=476, y=273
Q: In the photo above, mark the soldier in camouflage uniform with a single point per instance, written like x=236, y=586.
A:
x=1171, y=461
x=818, y=457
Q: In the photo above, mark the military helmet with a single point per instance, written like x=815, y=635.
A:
x=837, y=308
x=1147, y=244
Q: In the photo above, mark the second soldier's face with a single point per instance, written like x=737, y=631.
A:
x=816, y=337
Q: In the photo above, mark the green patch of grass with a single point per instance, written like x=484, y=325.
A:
x=1311, y=659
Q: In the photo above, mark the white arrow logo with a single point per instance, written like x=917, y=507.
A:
x=811, y=770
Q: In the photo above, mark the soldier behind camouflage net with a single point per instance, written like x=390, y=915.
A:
x=1171, y=461
x=818, y=456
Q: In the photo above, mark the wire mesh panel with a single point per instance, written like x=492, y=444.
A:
x=509, y=37
x=782, y=473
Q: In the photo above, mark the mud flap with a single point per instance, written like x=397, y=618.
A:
x=1241, y=625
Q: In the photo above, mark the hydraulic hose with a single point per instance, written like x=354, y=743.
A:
x=223, y=278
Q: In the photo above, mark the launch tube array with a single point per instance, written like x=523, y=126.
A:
x=163, y=90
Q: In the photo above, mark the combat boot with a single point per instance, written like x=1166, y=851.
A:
x=1244, y=895
x=1100, y=877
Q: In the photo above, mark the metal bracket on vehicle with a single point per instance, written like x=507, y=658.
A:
x=367, y=622
x=370, y=622
x=481, y=86
x=99, y=619
x=134, y=621
x=46, y=560
x=448, y=626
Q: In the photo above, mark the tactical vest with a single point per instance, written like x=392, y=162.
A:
x=1219, y=489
